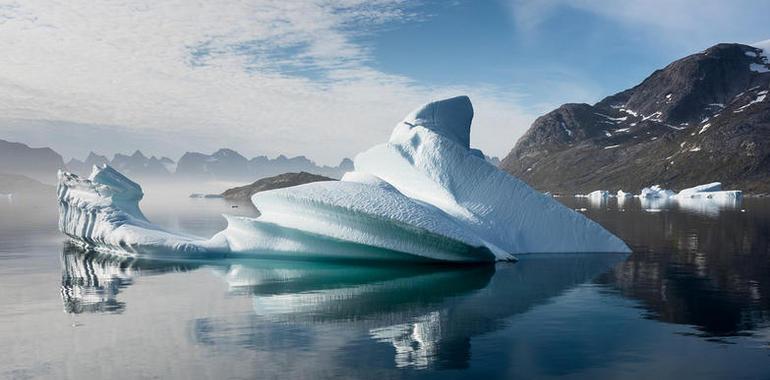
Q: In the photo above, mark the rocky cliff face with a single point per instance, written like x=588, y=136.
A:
x=244, y=193
x=703, y=118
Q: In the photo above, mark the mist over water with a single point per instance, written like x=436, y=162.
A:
x=691, y=300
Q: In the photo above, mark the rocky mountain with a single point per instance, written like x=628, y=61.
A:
x=83, y=168
x=244, y=193
x=137, y=165
x=226, y=164
x=703, y=118
x=140, y=166
x=38, y=163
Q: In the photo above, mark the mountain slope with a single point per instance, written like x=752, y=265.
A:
x=21, y=186
x=38, y=163
x=703, y=118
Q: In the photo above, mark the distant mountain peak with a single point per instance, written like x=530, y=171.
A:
x=703, y=115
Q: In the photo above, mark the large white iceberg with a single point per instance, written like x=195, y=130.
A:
x=423, y=195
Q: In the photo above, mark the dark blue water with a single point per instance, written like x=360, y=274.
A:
x=692, y=301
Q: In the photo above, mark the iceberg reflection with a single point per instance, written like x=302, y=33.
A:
x=426, y=314
x=91, y=281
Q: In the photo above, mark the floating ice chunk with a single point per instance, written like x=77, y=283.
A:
x=709, y=199
x=599, y=194
x=655, y=192
x=623, y=197
x=424, y=195
x=598, y=198
x=655, y=197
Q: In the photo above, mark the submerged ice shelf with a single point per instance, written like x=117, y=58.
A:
x=423, y=195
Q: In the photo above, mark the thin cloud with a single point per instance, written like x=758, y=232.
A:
x=263, y=77
x=678, y=24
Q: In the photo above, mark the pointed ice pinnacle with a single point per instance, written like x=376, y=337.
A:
x=450, y=118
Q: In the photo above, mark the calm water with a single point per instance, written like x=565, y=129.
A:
x=693, y=300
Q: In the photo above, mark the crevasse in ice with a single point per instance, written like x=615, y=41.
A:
x=423, y=195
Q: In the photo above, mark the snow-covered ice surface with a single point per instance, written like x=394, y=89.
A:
x=423, y=195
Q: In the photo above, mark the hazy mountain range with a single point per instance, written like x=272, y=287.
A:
x=225, y=164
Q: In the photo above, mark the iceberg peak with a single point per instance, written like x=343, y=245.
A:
x=450, y=118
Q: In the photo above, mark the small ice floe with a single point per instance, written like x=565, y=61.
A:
x=598, y=198
x=655, y=192
x=622, y=194
x=623, y=197
x=655, y=197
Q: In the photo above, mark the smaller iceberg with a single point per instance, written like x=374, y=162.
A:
x=712, y=191
x=598, y=198
x=706, y=199
x=623, y=197
x=655, y=192
x=655, y=198
x=424, y=195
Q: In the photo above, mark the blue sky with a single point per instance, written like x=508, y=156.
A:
x=600, y=53
x=326, y=78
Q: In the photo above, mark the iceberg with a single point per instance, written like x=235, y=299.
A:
x=712, y=191
x=655, y=192
x=655, y=198
x=598, y=198
x=424, y=195
x=623, y=197
x=708, y=199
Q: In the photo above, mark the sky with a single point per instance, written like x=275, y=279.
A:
x=322, y=78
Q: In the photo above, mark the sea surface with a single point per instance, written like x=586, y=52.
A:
x=692, y=301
